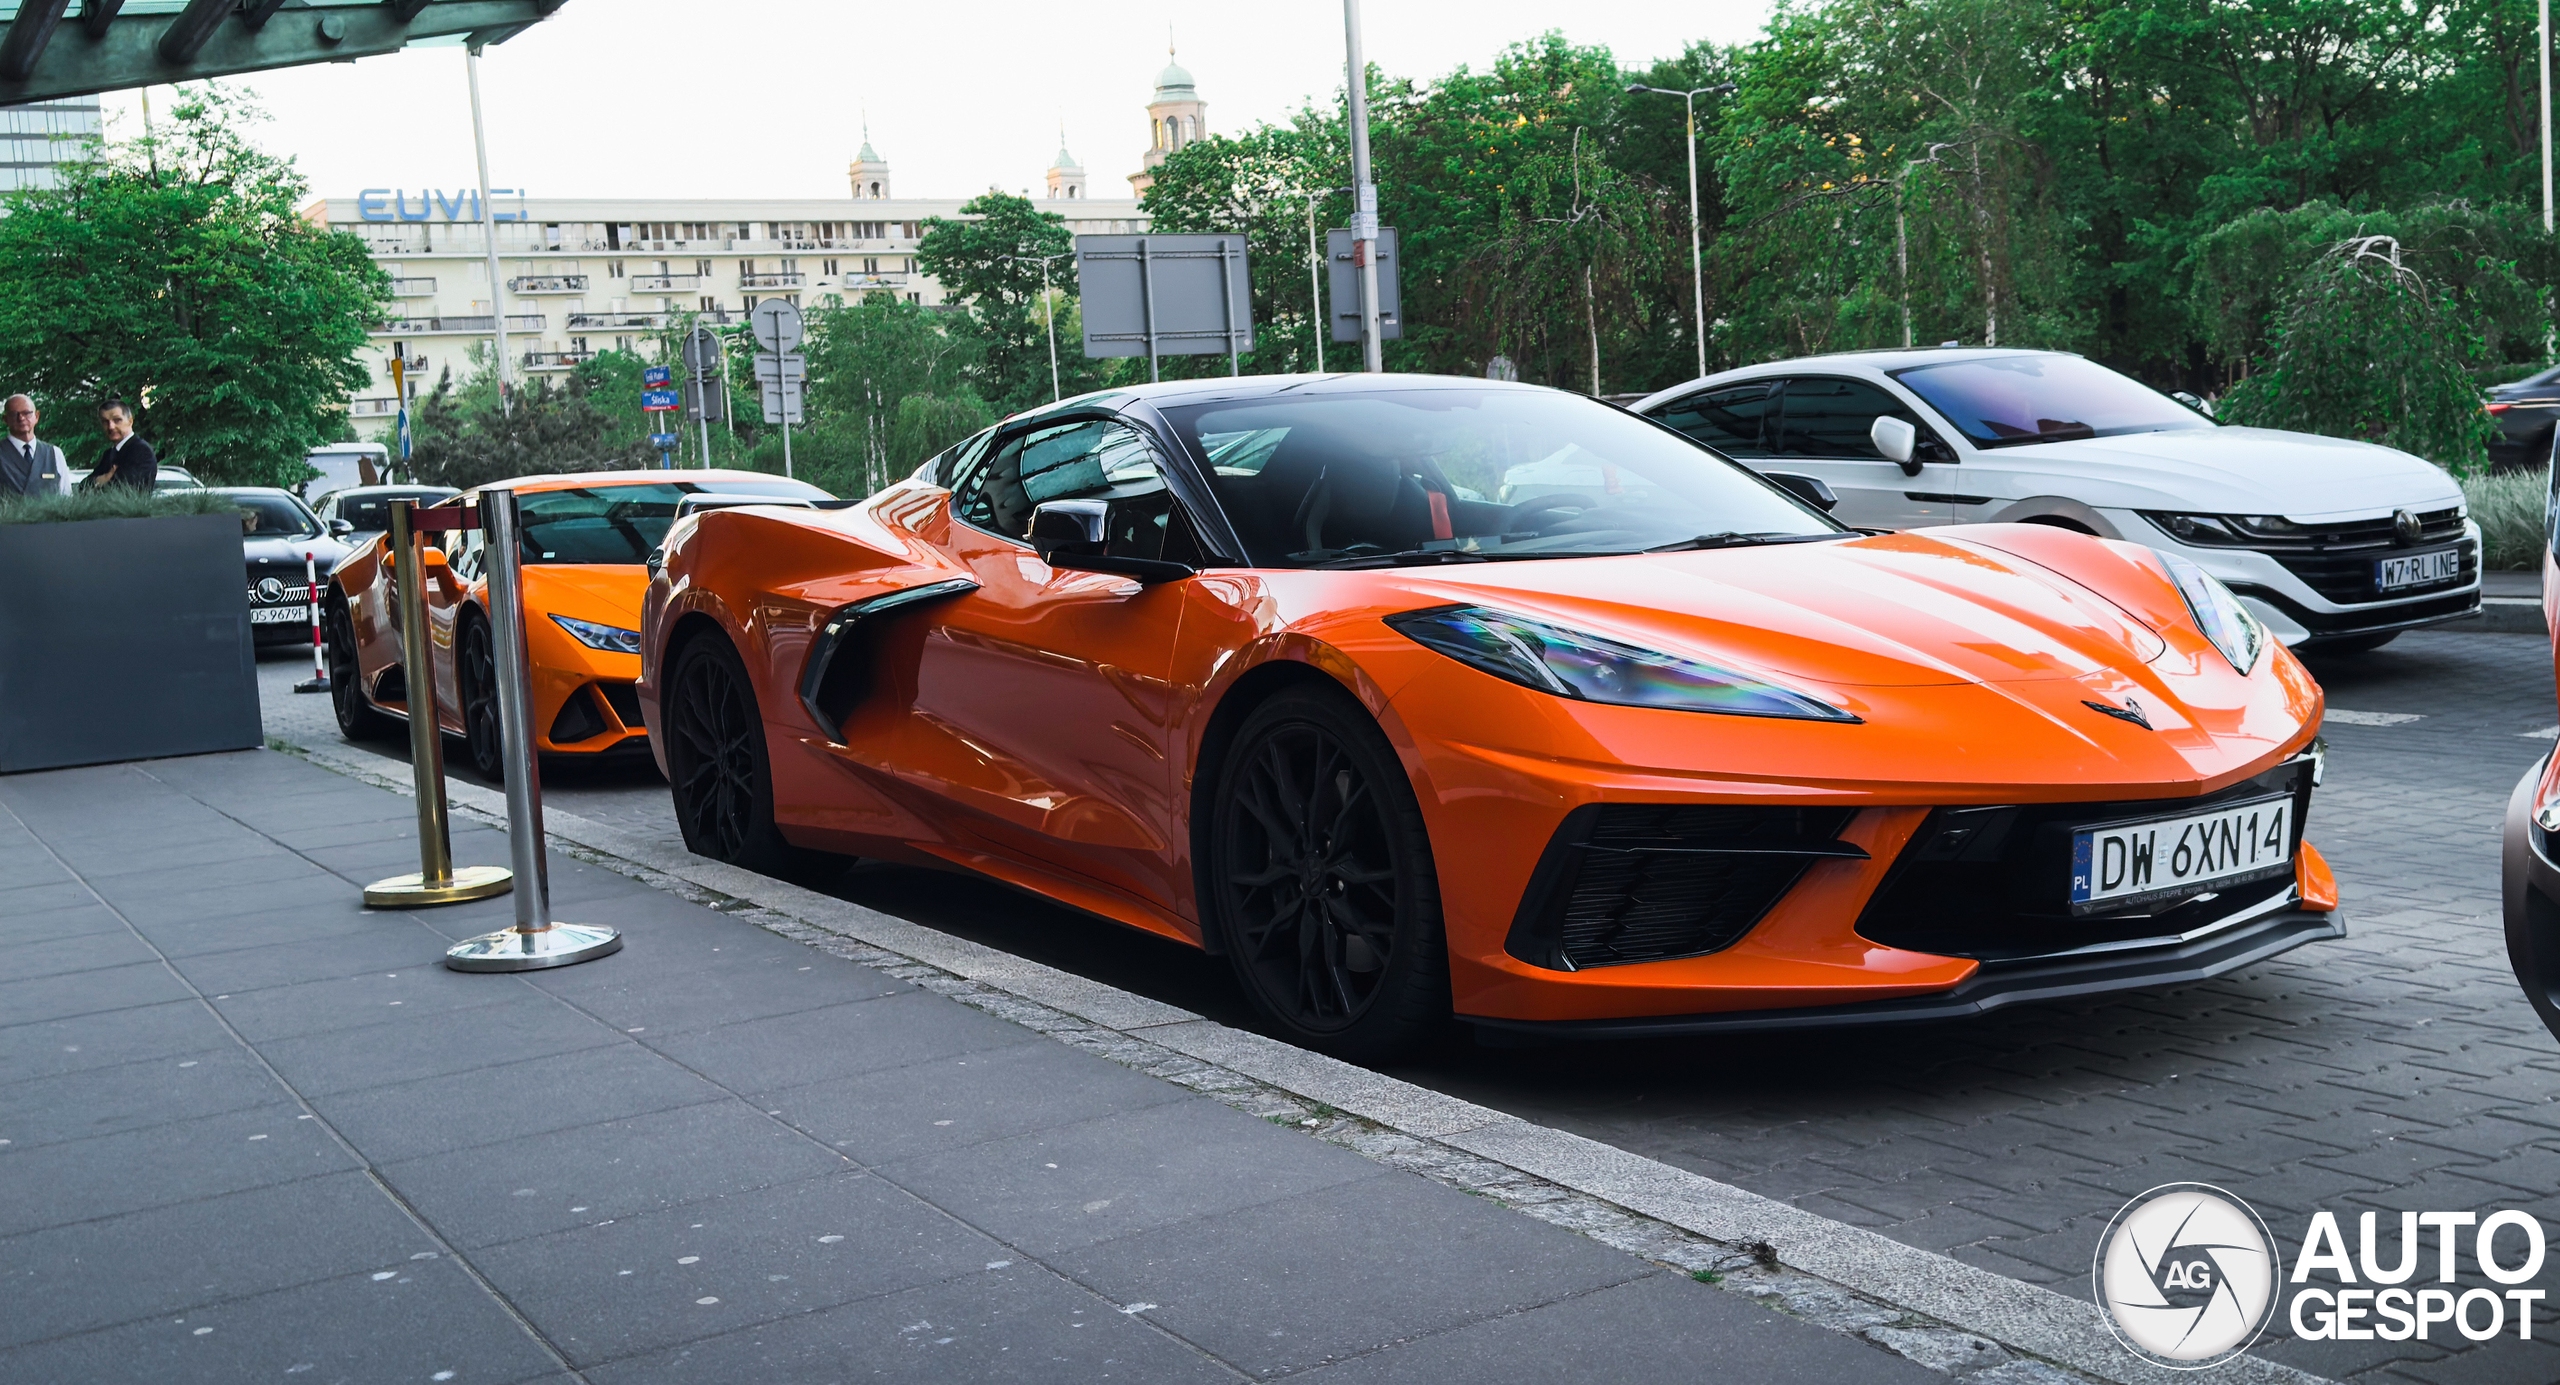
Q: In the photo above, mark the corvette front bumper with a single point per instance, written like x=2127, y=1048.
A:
x=1996, y=984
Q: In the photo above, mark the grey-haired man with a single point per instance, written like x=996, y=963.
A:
x=28, y=464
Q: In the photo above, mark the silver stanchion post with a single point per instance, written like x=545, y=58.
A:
x=436, y=882
x=536, y=941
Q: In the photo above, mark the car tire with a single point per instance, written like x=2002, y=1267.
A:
x=1317, y=859
x=717, y=768
x=475, y=675
x=358, y=719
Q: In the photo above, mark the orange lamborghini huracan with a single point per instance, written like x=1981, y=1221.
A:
x=1416, y=697
x=587, y=538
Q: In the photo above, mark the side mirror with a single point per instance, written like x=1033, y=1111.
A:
x=340, y=528
x=1897, y=439
x=2192, y=402
x=1075, y=535
x=1810, y=489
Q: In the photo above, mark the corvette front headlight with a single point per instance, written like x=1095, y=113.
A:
x=1589, y=668
x=612, y=639
x=2218, y=613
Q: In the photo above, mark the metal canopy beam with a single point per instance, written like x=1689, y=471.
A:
x=115, y=50
x=28, y=36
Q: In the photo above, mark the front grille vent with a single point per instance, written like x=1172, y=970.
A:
x=1633, y=882
x=625, y=701
x=578, y=720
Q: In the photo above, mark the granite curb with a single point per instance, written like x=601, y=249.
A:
x=1924, y=1305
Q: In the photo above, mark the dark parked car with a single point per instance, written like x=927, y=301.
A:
x=2524, y=412
x=367, y=509
x=282, y=541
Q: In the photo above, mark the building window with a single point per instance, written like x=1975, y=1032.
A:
x=613, y=269
x=915, y=298
x=703, y=268
x=789, y=266
x=622, y=343
x=830, y=267
x=870, y=266
x=710, y=304
x=578, y=344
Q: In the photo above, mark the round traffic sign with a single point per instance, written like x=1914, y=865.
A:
x=777, y=324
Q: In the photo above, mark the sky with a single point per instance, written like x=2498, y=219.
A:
x=768, y=98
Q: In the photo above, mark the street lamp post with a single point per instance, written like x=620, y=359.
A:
x=1364, y=194
x=1697, y=270
x=1050, y=307
x=489, y=229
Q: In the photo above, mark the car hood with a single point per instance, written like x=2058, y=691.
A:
x=2234, y=471
x=1901, y=610
x=607, y=592
x=273, y=550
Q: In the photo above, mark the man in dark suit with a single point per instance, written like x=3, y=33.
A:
x=28, y=464
x=129, y=460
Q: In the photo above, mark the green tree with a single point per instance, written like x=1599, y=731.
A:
x=2367, y=348
x=461, y=437
x=987, y=261
x=176, y=271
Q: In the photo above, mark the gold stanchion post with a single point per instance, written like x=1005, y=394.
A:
x=436, y=882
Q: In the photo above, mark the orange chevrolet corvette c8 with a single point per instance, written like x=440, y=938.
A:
x=1420, y=697
x=587, y=538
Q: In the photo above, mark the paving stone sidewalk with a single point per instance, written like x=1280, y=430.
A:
x=250, y=1131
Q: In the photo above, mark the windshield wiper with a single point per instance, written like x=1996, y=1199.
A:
x=1733, y=540
x=1412, y=558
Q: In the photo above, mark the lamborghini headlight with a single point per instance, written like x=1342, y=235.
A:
x=2218, y=613
x=1588, y=668
x=613, y=639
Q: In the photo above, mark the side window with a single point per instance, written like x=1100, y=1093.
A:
x=462, y=549
x=1826, y=417
x=1085, y=459
x=1729, y=420
x=962, y=460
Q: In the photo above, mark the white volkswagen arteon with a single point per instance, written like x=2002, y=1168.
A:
x=2333, y=544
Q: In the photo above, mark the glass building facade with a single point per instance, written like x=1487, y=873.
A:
x=36, y=139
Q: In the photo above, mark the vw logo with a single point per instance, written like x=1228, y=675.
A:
x=2405, y=526
x=2186, y=1275
x=270, y=590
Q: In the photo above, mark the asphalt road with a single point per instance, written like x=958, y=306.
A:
x=2395, y=1070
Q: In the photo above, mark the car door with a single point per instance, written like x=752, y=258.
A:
x=1040, y=699
x=1821, y=428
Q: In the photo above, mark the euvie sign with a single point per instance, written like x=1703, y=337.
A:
x=392, y=204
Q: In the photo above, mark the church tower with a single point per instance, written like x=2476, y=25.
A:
x=870, y=172
x=1066, y=176
x=1177, y=116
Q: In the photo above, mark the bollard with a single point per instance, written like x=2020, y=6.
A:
x=436, y=882
x=319, y=681
x=536, y=941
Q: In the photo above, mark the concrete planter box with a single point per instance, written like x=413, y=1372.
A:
x=124, y=639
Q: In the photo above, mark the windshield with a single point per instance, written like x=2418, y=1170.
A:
x=2010, y=401
x=620, y=524
x=370, y=511
x=274, y=517
x=1458, y=473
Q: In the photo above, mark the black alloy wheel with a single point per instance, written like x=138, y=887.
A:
x=358, y=720
x=716, y=765
x=1322, y=881
x=475, y=667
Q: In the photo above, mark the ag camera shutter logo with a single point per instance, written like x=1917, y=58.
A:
x=2186, y=1275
